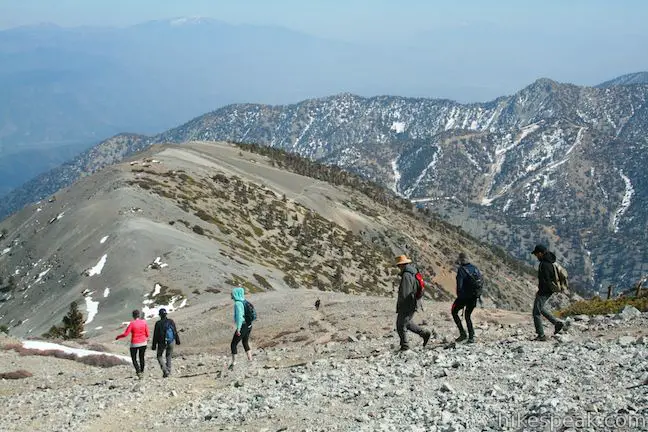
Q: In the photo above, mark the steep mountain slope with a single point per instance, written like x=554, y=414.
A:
x=555, y=163
x=628, y=79
x=178, y=225
x=558, y=163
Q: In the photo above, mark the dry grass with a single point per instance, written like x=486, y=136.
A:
x=19, y=374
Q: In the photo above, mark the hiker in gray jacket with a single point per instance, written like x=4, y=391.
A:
x=407, y=304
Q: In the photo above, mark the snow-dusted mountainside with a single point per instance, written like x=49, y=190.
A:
x=628, y=79
x=554, y=162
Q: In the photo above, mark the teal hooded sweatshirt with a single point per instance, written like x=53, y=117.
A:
x=238, y=295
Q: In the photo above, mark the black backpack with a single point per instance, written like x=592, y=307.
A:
x=475, y=281
x=250, y=313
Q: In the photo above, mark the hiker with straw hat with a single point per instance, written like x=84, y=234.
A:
x=406, y=304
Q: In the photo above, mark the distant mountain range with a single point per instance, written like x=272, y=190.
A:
x=63, y=90
x=556, y=163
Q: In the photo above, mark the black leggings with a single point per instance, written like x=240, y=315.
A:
x=459, y=304
x=244, y=336
x=134, y=351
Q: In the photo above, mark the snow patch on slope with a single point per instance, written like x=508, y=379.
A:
x=424, y=173
x=96, y=270
x=625, y=203
x=397, y=175
x=47, y=346
x=92, y=307
x=398, y=127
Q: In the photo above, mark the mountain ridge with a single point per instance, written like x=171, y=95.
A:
x=503, y=158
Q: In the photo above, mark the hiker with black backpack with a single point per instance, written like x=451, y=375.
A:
x=164, y=335
x=469, y=289
x=244, y=315
x=552, y=278
x=410, y=292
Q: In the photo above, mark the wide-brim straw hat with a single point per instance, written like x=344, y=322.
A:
x=402, y=259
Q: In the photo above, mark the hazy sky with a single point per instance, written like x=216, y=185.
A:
x=491, y=47
x=346, y=19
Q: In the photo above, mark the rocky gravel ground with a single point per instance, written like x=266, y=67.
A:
x=578, y=380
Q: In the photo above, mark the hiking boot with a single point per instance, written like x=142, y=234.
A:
x=471, y=340
x=404, y=348
x=165, y=375
x=461, y=338
x=426, y=338
x=231, y=366
x=140, y=375
x=558, y=327
x=539, y=338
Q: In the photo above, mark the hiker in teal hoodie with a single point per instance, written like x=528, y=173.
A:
x=243, y=328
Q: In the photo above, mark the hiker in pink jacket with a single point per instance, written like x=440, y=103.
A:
x=139, y=332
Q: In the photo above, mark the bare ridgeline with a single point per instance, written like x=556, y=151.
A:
x=179, y=227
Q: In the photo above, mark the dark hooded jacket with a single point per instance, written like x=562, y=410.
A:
x=159, y=338
x=546, y=274
x=463, y=281
x=406, y=302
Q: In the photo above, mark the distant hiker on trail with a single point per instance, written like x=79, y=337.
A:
x=469, y=289
x=407, y=302
x=139, y=332
x=317, y=304
x=244, y=314
x=546, y=277
x=164, y=335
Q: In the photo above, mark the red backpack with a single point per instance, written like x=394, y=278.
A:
x=421, y=285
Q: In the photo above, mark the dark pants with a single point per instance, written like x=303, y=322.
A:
x=404, y=322
x=540, y=310
x=470, y=305
x=244, y=336
x=134, y=353
x=165, y=363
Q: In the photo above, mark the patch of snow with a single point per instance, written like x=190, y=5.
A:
x=507, y=205
x=103, y=240
x=98, y=328
x=5, y=251
x=41, y=274
x=79, y=352
x=106, y=292
x=96, y=270
x=625, y=203
x=157, y=289
x=39, y=209
x=152, y=312
x=92, y=307
x=421, y=176
x=397, y=175
x=60, y=215
x=398, y=127
x=159, y=262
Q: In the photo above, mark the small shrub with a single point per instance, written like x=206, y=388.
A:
x=198, y=230
x=598, y=306
x=4, y=329
x=262, y=281
x=19, y=374
x=290, y=281
x=171, y=223
x=102, y=360
x=197, y=292
x=213, y=290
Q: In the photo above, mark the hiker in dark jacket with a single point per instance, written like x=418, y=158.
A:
x=161, y=343
x=546, y=274
x=466, y=298
x=243, y=328
x=407, y=304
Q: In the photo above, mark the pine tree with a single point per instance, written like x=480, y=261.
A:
x=73, y=322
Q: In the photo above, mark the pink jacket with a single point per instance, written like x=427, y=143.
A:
x=139, y=332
